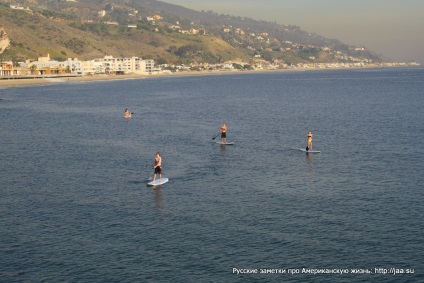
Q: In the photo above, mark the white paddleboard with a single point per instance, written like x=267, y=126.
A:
x=309, y=151
x=158, y=182
x=224, y=143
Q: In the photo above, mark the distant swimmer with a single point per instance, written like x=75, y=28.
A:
x=223, y=132
x=157, y=166
x=309, y=146
x=127, y=113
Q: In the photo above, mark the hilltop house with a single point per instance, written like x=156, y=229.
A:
x=14, y=7
x=154, y=18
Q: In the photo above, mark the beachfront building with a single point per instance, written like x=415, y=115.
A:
x=106, y=65
x=133, y=65
x=47, y=66
x=10, y=69
x=6, y=69
x=73, y=65
x=91, y=68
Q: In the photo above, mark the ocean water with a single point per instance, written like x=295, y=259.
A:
x=74, y=205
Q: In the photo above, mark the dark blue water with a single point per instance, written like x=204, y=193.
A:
x=74, y=206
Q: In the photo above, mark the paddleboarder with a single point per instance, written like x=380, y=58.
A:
x=127, y=113
x=309, y=145
x=224, y=133
x=157, y=166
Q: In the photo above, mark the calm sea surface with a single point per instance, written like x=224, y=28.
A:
x=74, y=206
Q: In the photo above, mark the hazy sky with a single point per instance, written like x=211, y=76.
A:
x=394, y=28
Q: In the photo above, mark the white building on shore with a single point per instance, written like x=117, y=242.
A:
x=107, y=64
x=45, y=65
x=133, y=65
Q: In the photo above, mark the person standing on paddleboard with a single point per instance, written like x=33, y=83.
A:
x=223, y=133
x=157, y=166
x=309, y=146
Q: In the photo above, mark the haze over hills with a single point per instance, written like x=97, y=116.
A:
x=167, y=33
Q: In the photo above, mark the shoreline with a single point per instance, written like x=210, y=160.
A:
x=30, y=82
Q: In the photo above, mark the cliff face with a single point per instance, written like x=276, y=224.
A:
x=4, y=40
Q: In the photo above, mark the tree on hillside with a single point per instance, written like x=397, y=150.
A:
x=33, y=68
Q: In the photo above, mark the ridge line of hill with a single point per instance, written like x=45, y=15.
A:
x=160, y=31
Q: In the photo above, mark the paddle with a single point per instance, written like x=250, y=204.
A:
x=151, y=175
x=216, y=136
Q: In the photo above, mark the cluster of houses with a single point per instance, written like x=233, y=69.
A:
x=105, y=65
x=45, y=66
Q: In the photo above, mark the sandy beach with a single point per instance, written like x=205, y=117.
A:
x=12, y=83
x=26, y=82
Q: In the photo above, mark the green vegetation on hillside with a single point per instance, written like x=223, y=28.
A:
x=32, y=35
x=177, y=35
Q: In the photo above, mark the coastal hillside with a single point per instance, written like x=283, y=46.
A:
x=32, y=34
x=167, y=33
